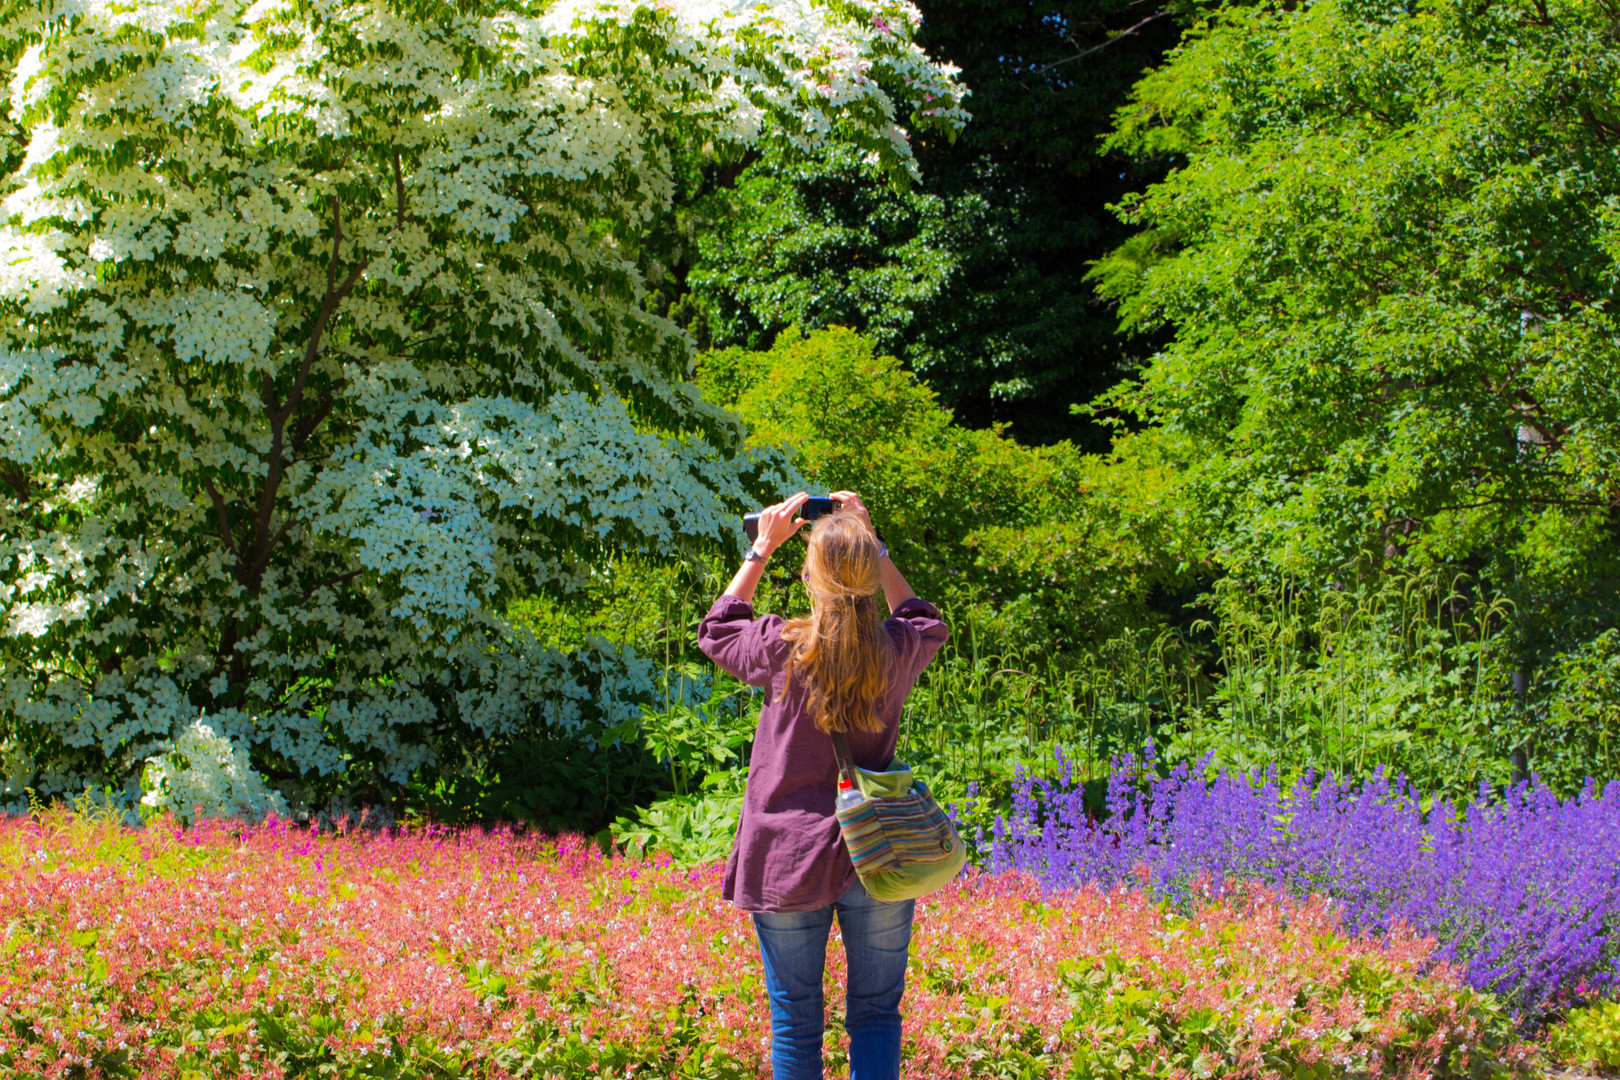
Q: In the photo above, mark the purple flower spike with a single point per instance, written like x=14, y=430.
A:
x=1521, y=890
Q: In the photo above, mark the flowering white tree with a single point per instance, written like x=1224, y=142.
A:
x=320, y=340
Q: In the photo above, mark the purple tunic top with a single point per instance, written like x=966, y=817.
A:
x=789, y=854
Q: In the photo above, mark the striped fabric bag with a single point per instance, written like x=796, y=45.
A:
x=902, y=844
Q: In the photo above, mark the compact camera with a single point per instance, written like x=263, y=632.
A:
x=814, y=507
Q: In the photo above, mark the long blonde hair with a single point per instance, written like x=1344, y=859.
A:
x=841, y=647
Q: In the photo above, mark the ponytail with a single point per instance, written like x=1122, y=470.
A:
x=841, y=649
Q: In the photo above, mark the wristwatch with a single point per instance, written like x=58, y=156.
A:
x=753, y=555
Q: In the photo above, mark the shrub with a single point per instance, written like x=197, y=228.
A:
x=1590, y=1037
x=276, y=951
x=1028, y=544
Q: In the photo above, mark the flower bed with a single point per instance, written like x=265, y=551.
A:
x=274, y=952
x=1521, y=891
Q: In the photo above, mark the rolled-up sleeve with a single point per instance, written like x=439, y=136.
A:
x=740, y=644
x=921, y=633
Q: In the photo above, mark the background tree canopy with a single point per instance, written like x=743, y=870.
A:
x=1389, y=264
x=347, y=436
x=1368, y=475
x=976, y=278
x=964, y=510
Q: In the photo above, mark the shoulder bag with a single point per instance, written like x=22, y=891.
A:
x=902, y=844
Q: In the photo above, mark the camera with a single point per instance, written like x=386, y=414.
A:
x=814, y=507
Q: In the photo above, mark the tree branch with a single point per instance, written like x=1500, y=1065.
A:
x=251, y=573
x=307, y=426
x=285, y=527
x=426, y=339
x=18, y=481
x=1128, y=32
x=1537, y=500
x=399, y=194
x=1606, y=131
x=337, y=579
x=219, y=512
x=337, y=246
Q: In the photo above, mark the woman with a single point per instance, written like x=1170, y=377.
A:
x=842, y=668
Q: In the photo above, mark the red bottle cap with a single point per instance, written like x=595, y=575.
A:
x=844, y=784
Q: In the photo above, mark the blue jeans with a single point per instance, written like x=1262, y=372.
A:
x=794, y=945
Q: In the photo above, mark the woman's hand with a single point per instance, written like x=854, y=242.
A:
x=777, y=523
x=852, y=503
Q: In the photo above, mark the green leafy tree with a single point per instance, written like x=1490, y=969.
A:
x=1390, y=267
x=976, y=276
x=818, y=242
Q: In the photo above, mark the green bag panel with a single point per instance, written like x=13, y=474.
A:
x=892, y=783
x=915, y=881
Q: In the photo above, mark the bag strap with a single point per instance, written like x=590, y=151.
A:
x=846, y=763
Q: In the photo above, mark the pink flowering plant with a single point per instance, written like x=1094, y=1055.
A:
x=272, y=951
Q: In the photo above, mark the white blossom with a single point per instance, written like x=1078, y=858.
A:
x=320, y=343
x=204, y=773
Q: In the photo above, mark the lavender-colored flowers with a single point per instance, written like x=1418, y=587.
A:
x=1521, y=890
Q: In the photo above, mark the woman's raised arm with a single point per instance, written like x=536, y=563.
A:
x=776, y=524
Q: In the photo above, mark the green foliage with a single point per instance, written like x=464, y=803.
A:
x=1404, y=675
x=691, y=829
x=1589, y=1037
x=975, y=278
x=704, y=742
x=626, y=599
x=1581, y=731
x=996, y=532
x=1393, y=250
x=1133, y=1027
x=699, y=729
x=821, y=242
x=557, y=783
x=1389, y=264
x=975, y=718
x=857, y=419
